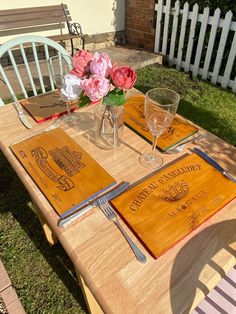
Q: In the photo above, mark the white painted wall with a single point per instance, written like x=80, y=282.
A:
x=95, y=16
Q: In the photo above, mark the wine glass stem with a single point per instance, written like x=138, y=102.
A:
x=68, y=111
x=154, y=144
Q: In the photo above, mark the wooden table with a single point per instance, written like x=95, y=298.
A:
x=109, y=272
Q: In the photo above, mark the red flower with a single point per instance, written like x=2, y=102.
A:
x=81, y=63
x=123, y=77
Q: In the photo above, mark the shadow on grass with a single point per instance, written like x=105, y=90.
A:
x=208, y=120
x=14, y=198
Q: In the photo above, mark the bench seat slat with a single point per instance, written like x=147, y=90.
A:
x=64, y=37
x=30, y=16
x=31, y=9
x=32, y=23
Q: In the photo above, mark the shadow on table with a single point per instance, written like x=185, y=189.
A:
x=199, y=253
x=15, y=199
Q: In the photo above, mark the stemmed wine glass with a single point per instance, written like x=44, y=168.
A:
x=60, y=66
x=160, y=108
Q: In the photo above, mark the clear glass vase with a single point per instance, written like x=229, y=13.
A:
x=109, y=126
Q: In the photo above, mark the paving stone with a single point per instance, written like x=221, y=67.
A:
x=15, y=308
x=5, y=281
x=9, y=295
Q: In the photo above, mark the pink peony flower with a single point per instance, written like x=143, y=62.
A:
x=123, y=77
x=81, y=61
x=95, y=87
x=101, y=64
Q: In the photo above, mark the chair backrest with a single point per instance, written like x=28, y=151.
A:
x=28, y=73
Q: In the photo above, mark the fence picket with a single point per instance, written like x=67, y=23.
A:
x=166, y=27
x=234, y=85
x=229, y=64
x=201, y=41
x=159, y=8
x=191, y=38
x=182, y=35
x=214, y=27
x=223, y=38
x=174, y=32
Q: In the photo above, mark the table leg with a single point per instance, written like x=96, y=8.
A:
x=92, y=304
x=50, y=236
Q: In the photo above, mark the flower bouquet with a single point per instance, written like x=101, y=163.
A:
x=94, y=80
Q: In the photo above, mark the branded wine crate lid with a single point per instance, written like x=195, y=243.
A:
x=166, y=206
x=45, y=106
x=134, y=118
x=66, y=174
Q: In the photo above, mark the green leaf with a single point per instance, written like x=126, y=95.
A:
x=84, y=101
x=114, y=98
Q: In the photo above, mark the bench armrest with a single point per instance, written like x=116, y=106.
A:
x=75, y=29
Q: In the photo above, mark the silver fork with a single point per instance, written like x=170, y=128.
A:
x=111, y=215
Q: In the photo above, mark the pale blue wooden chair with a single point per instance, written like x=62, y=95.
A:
x=28, y=82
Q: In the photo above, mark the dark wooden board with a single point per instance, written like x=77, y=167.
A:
x=46, y=106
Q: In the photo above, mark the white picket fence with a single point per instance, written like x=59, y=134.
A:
x=170, y=40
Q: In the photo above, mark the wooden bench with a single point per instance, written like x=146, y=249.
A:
x=35, y=19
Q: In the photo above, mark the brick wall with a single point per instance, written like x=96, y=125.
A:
x=139, y=21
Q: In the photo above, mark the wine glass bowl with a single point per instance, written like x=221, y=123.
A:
x=160, y=108
x=59, y=67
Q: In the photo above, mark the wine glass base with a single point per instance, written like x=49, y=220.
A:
x=72, y=122
x=149, y=162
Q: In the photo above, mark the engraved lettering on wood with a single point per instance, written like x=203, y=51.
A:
x=175, y=192
x=41, y=156
x=67, y=160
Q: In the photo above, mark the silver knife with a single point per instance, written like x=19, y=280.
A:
x=117, y=190
x=21, y=115
x=212, y=162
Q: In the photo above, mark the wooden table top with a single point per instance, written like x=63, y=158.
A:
x=174, y=283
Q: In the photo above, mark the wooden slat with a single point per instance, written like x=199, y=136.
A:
x=229, y=64
x=201, y=41
x=191, y=38
x=174, y=32
x=8, y=84
x=17, y=73
x=166, y=28
x=52, y=8
x=28, y=69
x=215, y=23
x=159, y=8
x=38, y=67
x=182, y=35
x=63, y=37
x=31, y=22
x=30, y=16
x=48, y=66
x=220, y=52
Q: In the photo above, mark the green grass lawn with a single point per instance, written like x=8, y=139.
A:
x=44, y=277
x=205, y=104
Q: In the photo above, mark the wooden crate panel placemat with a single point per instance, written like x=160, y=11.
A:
x=45, y=106
x=165, y=207
x=135, y=120
x=66, y=174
